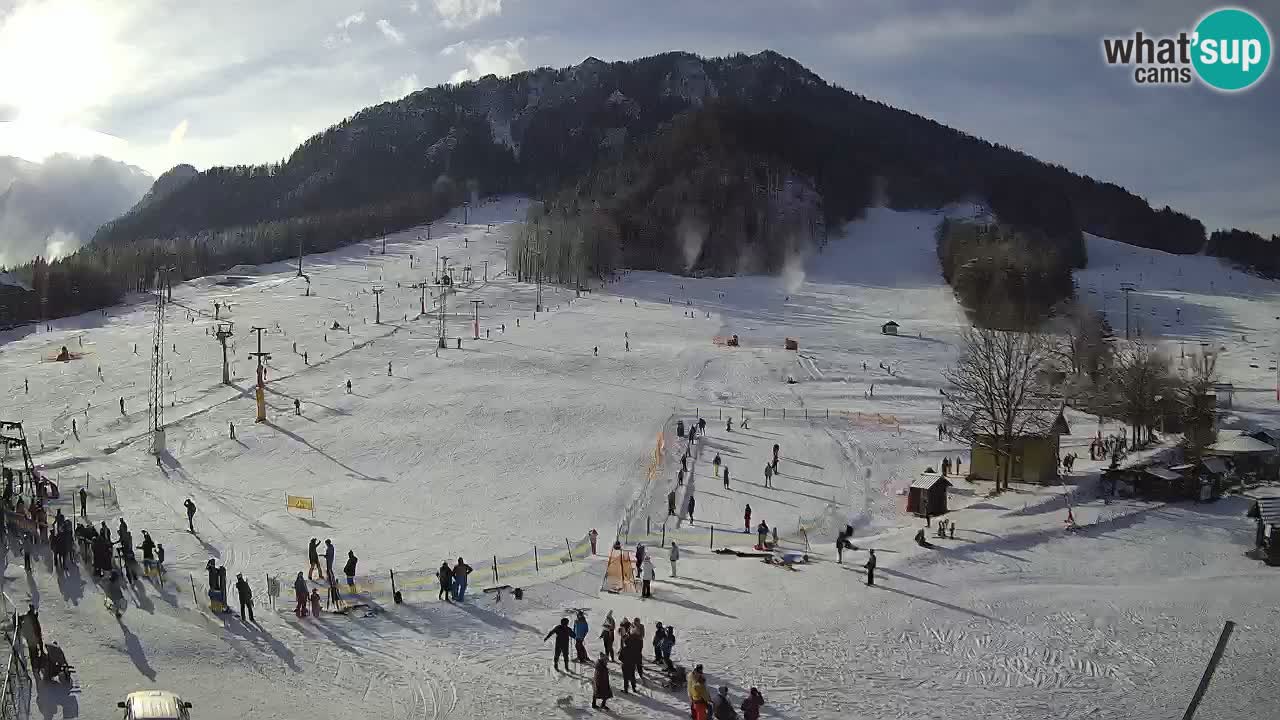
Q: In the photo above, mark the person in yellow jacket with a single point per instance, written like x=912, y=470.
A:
x=699, y=699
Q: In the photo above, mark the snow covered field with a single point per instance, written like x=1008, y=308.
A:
x=526, y=437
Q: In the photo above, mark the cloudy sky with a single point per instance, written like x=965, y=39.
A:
x=158, y=82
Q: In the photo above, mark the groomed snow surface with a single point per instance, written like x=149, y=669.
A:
x=527, y=437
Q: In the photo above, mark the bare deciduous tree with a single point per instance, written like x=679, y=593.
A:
x=993, y=395
x=1196, y=404
x=1139, y=377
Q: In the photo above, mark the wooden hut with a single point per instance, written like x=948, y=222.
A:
x=889, y=328
x=928, y=493
x=1265, y=508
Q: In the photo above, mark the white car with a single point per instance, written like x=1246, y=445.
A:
x=154, y=705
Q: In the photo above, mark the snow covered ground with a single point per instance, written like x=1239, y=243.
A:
x=526, y=437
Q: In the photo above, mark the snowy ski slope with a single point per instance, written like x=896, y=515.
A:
x=527, y=437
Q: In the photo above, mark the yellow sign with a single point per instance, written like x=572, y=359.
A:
x=298, y=502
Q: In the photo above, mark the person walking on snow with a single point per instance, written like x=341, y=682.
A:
x=674, y=557
x=606, y=637
x=600, y=689
x=191, y=513
x=690, y=508
x=313, y=560
x=768, y=475
x=329, y=552
x=762, y=535
x=639, y=559
x=746, y=519
x=671, y=503
x=726, y=477
x=659, y=634
x=350, y=568
x=698, y=697
x=562, y=633
x=580, y=630
x=871, y=568
x=715, y=464
x=775, y=458
x=751, y=706
x=245, y=594
x=460, y=573
x=723, y=707
x=593, y=536
x=648, y=576
x=445, y=575
x=300, y=596
x=728, y=425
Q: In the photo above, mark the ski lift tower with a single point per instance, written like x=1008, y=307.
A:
x=445, y=283
x=12, y=436
x=156, y=393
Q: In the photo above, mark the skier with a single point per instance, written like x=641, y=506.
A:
x=671, y=502
x=871, y=568
x=606, y=637
x=648, y=576
x=74, y=431
x=674, y=557
x=445, y=575
x=329, y=552
x=350, y=569
x=245, y=595
x=300, y=595
x=715, y=464
x=580, y=630
x=600, y=689
x=746, y=519
x=460, y=573
x=297, y=407
x=191, y=513
x=562, y=633
x=348, y=387
x=768, y=475
x=313, y=560
x=724, y=709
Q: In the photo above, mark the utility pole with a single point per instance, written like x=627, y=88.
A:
x=1126, y=288
x=377, y=305
x=444, y=295
x=476, y=326
x=224, y=332
x=423, y=287
x=486, y=271
x=260, y=391
x=299, y=254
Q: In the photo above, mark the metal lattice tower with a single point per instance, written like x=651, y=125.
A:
x=155, y=400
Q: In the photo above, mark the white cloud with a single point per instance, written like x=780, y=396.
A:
x=500, y=58
x=391, y=32
x=343, y=36
x=403, y=85
x=460, y=13
x=178, y=133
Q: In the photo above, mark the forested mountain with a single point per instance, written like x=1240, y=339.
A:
x=674, y=161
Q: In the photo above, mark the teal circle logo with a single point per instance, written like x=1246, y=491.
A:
x=1231, y=49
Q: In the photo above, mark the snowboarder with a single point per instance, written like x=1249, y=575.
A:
x=191, y=513
x=671, y=502
x=674, y=557
x=648, y=575
x=445, y=575
x=600, y=689
x=300, y=596
x=460, y=573
x=562, y=633
x=746, y=519
x=329, y=553
x=245, y=595
x=870, y=566
x=350, y=569
x=715, y=464
x=313, y=560
x=388, y=368
x=580, y=630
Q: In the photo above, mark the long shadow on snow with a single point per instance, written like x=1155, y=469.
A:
x=52, y=697
x=137, y=653
x=298, y=438
x=257, y=635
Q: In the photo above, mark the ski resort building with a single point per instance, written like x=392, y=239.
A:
x=1035, y=456
x=889, y=328
x=928, y=495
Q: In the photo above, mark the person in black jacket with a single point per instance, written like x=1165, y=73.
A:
x=350, y=569
x=563, y=634
x=600, y=689
x=245, y=594
x=630, y=656
x=191, y=507
x=445, y=574
x=871, y=568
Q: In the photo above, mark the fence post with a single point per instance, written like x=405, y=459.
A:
x=828, y=413
x=742, y=412
x=647, y=530
x=535, y=559
x=569, y=548
x=806, y=413
x=764, y=412
x=393, y=584
x=195, y=599
x=784, y=413
x=664, y=534
x=720, y=413
x=495, y=569
x=712, y=544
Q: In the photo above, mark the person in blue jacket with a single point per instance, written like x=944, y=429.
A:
x=580, y=631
